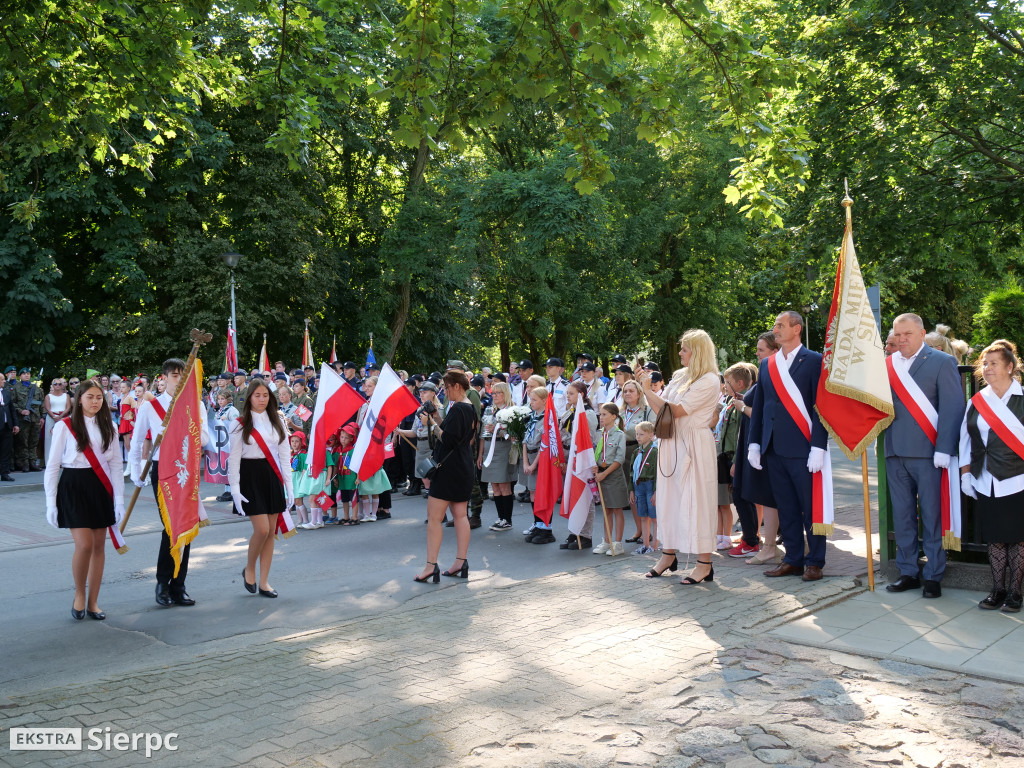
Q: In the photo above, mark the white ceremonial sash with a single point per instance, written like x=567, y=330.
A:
x=915, y=391
x=1004, y=414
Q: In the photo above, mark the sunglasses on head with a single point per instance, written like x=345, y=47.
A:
x=72, y=382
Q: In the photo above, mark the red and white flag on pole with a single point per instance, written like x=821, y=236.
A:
x=231, y=352
x=337, y=401
x=853, y=401
x=264, y=361
x=576, y=494
x=181, y=454
x=334, y=350
x=391, y=402
x=550, y=466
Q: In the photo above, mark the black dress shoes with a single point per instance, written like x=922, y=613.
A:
x=77, y=615
x=994, y=601
x=1013, y=603
x=931, y=589
x=903, y=583
x=250, y=588
x=268, y=592
x=163, y=595
x=181, y=597
x=97, y=615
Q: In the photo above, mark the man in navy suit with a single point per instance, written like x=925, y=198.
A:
x=790, y=458
x=914, y=464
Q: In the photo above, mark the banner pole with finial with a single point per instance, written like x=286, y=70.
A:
x=870, y=550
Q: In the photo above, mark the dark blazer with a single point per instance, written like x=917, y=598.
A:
x=936, y=374
x=8, y=416
x=770, y=422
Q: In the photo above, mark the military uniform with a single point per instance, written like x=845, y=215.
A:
x=307, y=401
x=237, y=394
x=27, y=397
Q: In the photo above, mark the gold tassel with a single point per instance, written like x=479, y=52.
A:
x=822, y=529
x=122, y=550
x=289, y=534
x=951, y=541
x=203, y=523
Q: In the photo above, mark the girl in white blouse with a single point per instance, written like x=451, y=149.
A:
x=89, y=495
x=260, y=480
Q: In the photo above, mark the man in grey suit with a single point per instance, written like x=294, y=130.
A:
x=913, y=463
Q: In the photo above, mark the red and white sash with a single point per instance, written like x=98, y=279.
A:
x=160, y=411
x=1000, y=419
x=823, y=511
x=927, y=418
x=285, y=524
x=99, y=466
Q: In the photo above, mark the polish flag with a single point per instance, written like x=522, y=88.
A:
x=337, y=401
x=334, y=350
x=576, y=494
x=264, y=362
x=230, y=352
x=391, y=402
x=550, y=467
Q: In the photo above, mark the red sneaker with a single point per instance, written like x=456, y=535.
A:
x=743, y=550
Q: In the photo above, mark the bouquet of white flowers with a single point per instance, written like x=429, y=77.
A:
x=514, y=420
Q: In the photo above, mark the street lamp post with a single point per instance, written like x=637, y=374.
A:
x=231, y=259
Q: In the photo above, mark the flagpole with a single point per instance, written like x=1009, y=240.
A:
x=869, y=549
x=604, y=514
x=198, y=339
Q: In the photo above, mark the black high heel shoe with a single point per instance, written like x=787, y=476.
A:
x=690, y=581
x=653, y=574
x=435, y=576
x=462, y=573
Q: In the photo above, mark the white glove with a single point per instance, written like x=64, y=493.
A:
x=119, y=512
x=239, y=499
x=289, y=500
x=816, y=460
x=941, y=460
x=967, y=486
x=51, y=516
x=754, y=455
x=137, y=476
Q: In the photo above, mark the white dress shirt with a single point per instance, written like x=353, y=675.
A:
x=986, y=483
x=279, y=448
x=147, y=421
x=64, y=452
x=787, y=360
x=905, y=362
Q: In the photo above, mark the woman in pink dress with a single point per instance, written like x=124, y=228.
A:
x=687, y=486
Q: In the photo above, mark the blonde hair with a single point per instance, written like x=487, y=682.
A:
x=535, y=381
x=739, y=371
x=938, y=341
x=541, y=393
x=702, y=357
x=646, y=427
x=506, y=392
x=613, y=409
x=640, y=399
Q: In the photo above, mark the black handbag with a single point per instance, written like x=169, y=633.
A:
x=724, y=466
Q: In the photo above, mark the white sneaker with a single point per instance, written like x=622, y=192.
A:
x=602, y=548
x=306, y=526
x=724, y=542
x=370, y=518
x=615, y=549
x=529, y=530
x=641, y=550
x=501, y=525
x=316, y=525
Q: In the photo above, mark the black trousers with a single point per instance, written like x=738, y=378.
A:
x=746, y=511
x=6, y=449
x=164, y=561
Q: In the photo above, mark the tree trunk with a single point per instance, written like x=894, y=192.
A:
x=401, y=314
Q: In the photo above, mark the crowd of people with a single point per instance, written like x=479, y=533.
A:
x=680, y=455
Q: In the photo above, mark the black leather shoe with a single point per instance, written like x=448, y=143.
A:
x=574, y=545
x=383, y=514
x=411, y=492
x=7, y=478
x=98, y=615
x=565, y=544
x=249, y=587
x=268, y=592
x=542, y=536
x=903, y=583
x=77, y=615
x=181, y=598
x=994, y=601
x=163, y=595
x=226, y=496
x=1013, y=603
x=931, y=589
x=475, y=521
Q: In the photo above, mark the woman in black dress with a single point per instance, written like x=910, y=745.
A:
x=89, y=496
x=260, y=478
x=452, y=483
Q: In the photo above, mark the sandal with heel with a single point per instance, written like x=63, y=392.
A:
x=435, y=576
x=653, y=574
x=461, y=573
x=690, y=581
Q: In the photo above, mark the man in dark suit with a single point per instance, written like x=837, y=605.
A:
x=913, y=463
x=790, y=458
x=8, y=429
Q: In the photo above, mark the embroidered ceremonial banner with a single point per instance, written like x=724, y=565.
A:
x=215, y=462
x=822, y=512
x=181, y=452
x=550, y=465
x=924, y=414
x=230, y=352
x=853, y=399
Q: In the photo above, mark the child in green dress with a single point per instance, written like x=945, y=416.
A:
x=344, y=485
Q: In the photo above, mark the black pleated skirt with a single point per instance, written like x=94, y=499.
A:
x=999, y=520
x=259, y=484
x=82, y=500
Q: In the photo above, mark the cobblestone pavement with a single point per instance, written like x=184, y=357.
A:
x=595, y=668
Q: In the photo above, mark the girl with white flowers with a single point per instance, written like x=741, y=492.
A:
x=493, y=457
